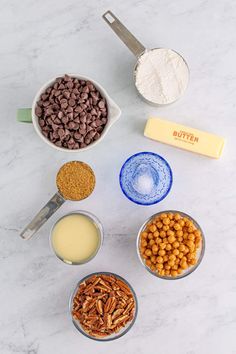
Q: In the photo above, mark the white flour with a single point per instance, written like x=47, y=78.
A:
x=161, y=76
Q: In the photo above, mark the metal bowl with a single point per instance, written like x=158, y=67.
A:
x=99, y=227
x=113, y=336
x=200, y=252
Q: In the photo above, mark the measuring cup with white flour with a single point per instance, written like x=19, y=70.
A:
x=161, y=75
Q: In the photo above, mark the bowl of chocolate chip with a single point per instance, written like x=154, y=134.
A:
x=71, y=113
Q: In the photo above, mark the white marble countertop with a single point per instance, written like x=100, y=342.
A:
x=42, y=39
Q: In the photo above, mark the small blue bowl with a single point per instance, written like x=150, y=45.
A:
x=146, y=178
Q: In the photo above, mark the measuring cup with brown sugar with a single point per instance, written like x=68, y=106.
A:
x=75, y=181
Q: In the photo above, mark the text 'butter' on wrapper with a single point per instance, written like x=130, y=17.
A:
x=184, y=137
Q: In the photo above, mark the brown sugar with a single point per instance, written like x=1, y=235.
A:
x=75, y=180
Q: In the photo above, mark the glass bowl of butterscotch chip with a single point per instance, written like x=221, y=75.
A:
x=103, y=306
x=170, y=244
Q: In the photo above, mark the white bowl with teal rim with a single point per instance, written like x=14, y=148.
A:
x=27, y=115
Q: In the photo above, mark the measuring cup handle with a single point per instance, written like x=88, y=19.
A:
x=124, y=34
x=52, y=205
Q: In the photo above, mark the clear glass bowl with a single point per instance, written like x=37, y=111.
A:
x=98, y=226
x=146, y=178
x=200, y=251
x=113, y=336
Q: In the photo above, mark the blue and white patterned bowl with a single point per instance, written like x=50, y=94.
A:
x=146, y=178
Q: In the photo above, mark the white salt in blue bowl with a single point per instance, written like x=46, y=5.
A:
x=146, y=178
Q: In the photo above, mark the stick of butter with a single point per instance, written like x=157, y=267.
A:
x=184, y=137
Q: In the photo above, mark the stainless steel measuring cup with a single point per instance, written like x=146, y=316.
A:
x=138, y=49
x=45, y=213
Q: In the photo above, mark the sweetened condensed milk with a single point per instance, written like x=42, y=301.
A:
x=75, y=238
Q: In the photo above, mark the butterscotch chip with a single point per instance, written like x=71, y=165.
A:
x=75, y=180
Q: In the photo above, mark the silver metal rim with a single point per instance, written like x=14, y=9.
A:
x=189, y=270
x=95, y=221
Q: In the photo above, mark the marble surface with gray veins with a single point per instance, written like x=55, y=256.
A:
x=43, y=39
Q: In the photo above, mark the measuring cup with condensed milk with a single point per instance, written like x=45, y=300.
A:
x=76, y=237
x=161, y=75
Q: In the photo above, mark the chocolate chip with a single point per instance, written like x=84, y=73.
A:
x=77, y=135
x=78, y=109
x=71, y=125
x=55, y=135
x=90, y=86
x=75, y=91
x=61, y=132
x=83, y=119
x=85, y=89
x=64, y=105
x=96, y=136
x=82, y=126
x=83, y=106
x=46, y=103
x=72, y=113
x=93, y=124
x=82, y=131
x=98, y=122
x=92, y=133
x=87, y=140
x=38, y=111
x=70, y=84
x=104, y=120
x=58, y=143
x=71, y=102
x=49, y=121
x=76, y=146
x=41, y=122
x=44, y=97
x=54, y=127
x=65, y=120
x=76, y=127
x=93, y=111
x=49, y=89
x=66, y=94
x=70, y=116
x=40, y=103
x=69, y=110
x=66, y=77
x=84, y=96
x=94, y=95
x=45, y=133
x=60, y=114
x=57, y=121
x=49, y=111
x=101, y=104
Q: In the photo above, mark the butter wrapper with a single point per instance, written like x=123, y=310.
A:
x=184, y=137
